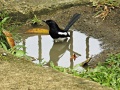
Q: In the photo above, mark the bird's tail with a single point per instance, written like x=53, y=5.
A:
x=72, y=21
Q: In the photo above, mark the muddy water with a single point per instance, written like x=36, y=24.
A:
x=43, y=49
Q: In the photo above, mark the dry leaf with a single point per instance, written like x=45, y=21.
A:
x=9, y=38
x=86, y=62
x=7, y=34
x=73, y=57
x=10, y=41
x=104, y=13
x=38, y=31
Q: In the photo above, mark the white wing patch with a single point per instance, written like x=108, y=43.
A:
x=62, y=33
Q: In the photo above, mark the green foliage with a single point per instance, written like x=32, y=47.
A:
x=107, y=73
x=3, y=42
x=16, y=50
x=73, y=71
x=19, y=53
x=61, y=69
x=3, y=46
x=35, y=20
x=3, y=14
x=3, y=20
x=42, y=63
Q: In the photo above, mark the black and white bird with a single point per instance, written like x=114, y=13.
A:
x=58, y=34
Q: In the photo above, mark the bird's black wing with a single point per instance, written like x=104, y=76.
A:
x=75, y=17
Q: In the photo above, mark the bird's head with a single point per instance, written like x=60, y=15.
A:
x=50, y=23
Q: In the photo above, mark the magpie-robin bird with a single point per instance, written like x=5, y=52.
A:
x=56, y=33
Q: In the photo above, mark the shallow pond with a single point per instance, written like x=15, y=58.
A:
x=43, y=49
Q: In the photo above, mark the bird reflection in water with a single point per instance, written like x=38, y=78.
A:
x=57, y=51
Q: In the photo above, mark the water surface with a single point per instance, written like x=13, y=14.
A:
x=43, y=49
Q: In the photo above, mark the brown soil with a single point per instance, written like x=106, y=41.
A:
x=20, y=74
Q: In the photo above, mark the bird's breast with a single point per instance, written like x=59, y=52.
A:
x=53, y=34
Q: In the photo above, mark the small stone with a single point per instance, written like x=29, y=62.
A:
x=4, y=54
x=85, y=20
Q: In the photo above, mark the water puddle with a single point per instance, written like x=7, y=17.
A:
x=43, y=49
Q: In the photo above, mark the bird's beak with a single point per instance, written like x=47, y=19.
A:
x=44, y=21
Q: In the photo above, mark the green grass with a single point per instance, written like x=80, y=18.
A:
x=107, y=73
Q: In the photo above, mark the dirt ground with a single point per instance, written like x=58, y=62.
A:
x=20, y=74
